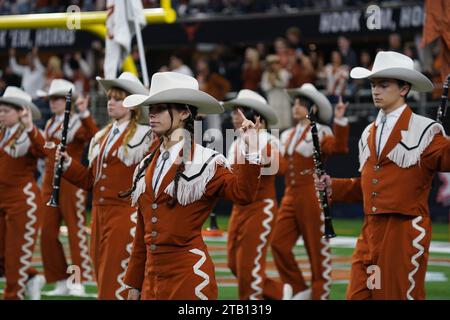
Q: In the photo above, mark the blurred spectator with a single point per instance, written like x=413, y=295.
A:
x=275, y=80
x=9, y=78
x=251, y=70
x=395, y=42
x=336, y=76
x=177, y=65
x=78, y=71
x=410, y=51
x=347, y=53
x=282, y=51
x=293, y=37
x=301, y=69
x=211, y=82
x=32, y=73
x=53, y=71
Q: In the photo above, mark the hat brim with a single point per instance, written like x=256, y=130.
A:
x=205, y=103
x=44, y=94
x=262, y=108
x=35, y=113
x=418, y=81
x=129, y=86
x=319, y=99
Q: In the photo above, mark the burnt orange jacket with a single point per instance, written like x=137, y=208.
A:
x=161, y=229
x=385, y=187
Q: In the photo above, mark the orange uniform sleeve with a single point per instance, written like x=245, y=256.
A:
x=239, y=186
x=37, y=143
x=79, y=175
x=88, y=129
x=134, y=277
x=436, y=156
x=338, y=143
x=346, y=190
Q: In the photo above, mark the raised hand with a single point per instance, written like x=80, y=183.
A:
x=26, y=118
x=249, y=132
x=82, y=103
x=339, y=109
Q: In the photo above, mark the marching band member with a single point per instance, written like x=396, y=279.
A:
x=399, y=153
x=114, y=152
x=250, y=226
x=20, y=199
x=175, y=189
x=72, y=199
x=300, y=214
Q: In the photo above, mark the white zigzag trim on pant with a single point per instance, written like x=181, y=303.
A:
x=84, y=251
x=197, y=271
x=124, y=262
x=414, y=258
x=25, y=259
x=326, y=262
x=255, y=285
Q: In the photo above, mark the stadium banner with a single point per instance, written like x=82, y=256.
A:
x=315, y=25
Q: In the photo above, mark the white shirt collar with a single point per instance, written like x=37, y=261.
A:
x=13, y=129
x=173, y=150
x=391, y=117
x=59, y=118
x=121, y=126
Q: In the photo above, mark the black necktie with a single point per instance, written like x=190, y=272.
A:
x=383, y=121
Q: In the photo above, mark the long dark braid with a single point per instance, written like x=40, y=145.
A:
x=189, y=126
x=141, y=170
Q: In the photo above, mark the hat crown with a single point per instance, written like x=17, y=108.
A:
x=60, y=86
x=308, y=86
x=162, y=81
x=129, y=77
x=391, y=59
x=15, y=92
x=252, y=95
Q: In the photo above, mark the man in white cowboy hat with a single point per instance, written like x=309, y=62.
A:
x=300, y=213
x=250, y=226
x=72, y=199
x=398, y=153
x=20, y=199
x=114, y=153
x=175, y=189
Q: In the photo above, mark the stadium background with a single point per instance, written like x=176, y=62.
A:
x=215, y=35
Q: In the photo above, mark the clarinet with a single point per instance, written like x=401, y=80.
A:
x=318, y=168
x=54, y=199
x=442, y=110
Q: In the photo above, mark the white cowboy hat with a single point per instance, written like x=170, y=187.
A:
x=19, y=98
x=251, y=99
x=173, y=87
x=394, y=65
x=129, y=83
x=320, y=100
x=58, y=88
x=126, y=81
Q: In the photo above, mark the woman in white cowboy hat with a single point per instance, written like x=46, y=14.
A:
x=250, y=226
x=20, y=199
x=299, y=212
x=114, y=153
x=72, y=199
x=175, y=189
x=399, y=153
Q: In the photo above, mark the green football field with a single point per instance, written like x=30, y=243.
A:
x=438, y=273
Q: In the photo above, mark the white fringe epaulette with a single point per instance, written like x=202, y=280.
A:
x=137, y=147
x=140, y=185
x=363, y=146
x=306, y=147
x=74, y=125
x=20, y=147
x=197, y=174
x=94, y=146
x=407, y=153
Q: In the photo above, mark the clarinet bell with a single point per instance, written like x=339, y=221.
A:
x=53, y=202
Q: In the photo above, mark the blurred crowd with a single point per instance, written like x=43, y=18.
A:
x=186, y=7
x=268, y=68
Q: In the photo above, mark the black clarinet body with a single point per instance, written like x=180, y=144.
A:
x=54, y=199
x=319, y=170
x=442, y=110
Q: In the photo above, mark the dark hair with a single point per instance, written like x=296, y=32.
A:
x=189, y=126
x=402, y=83
x=308, y=103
